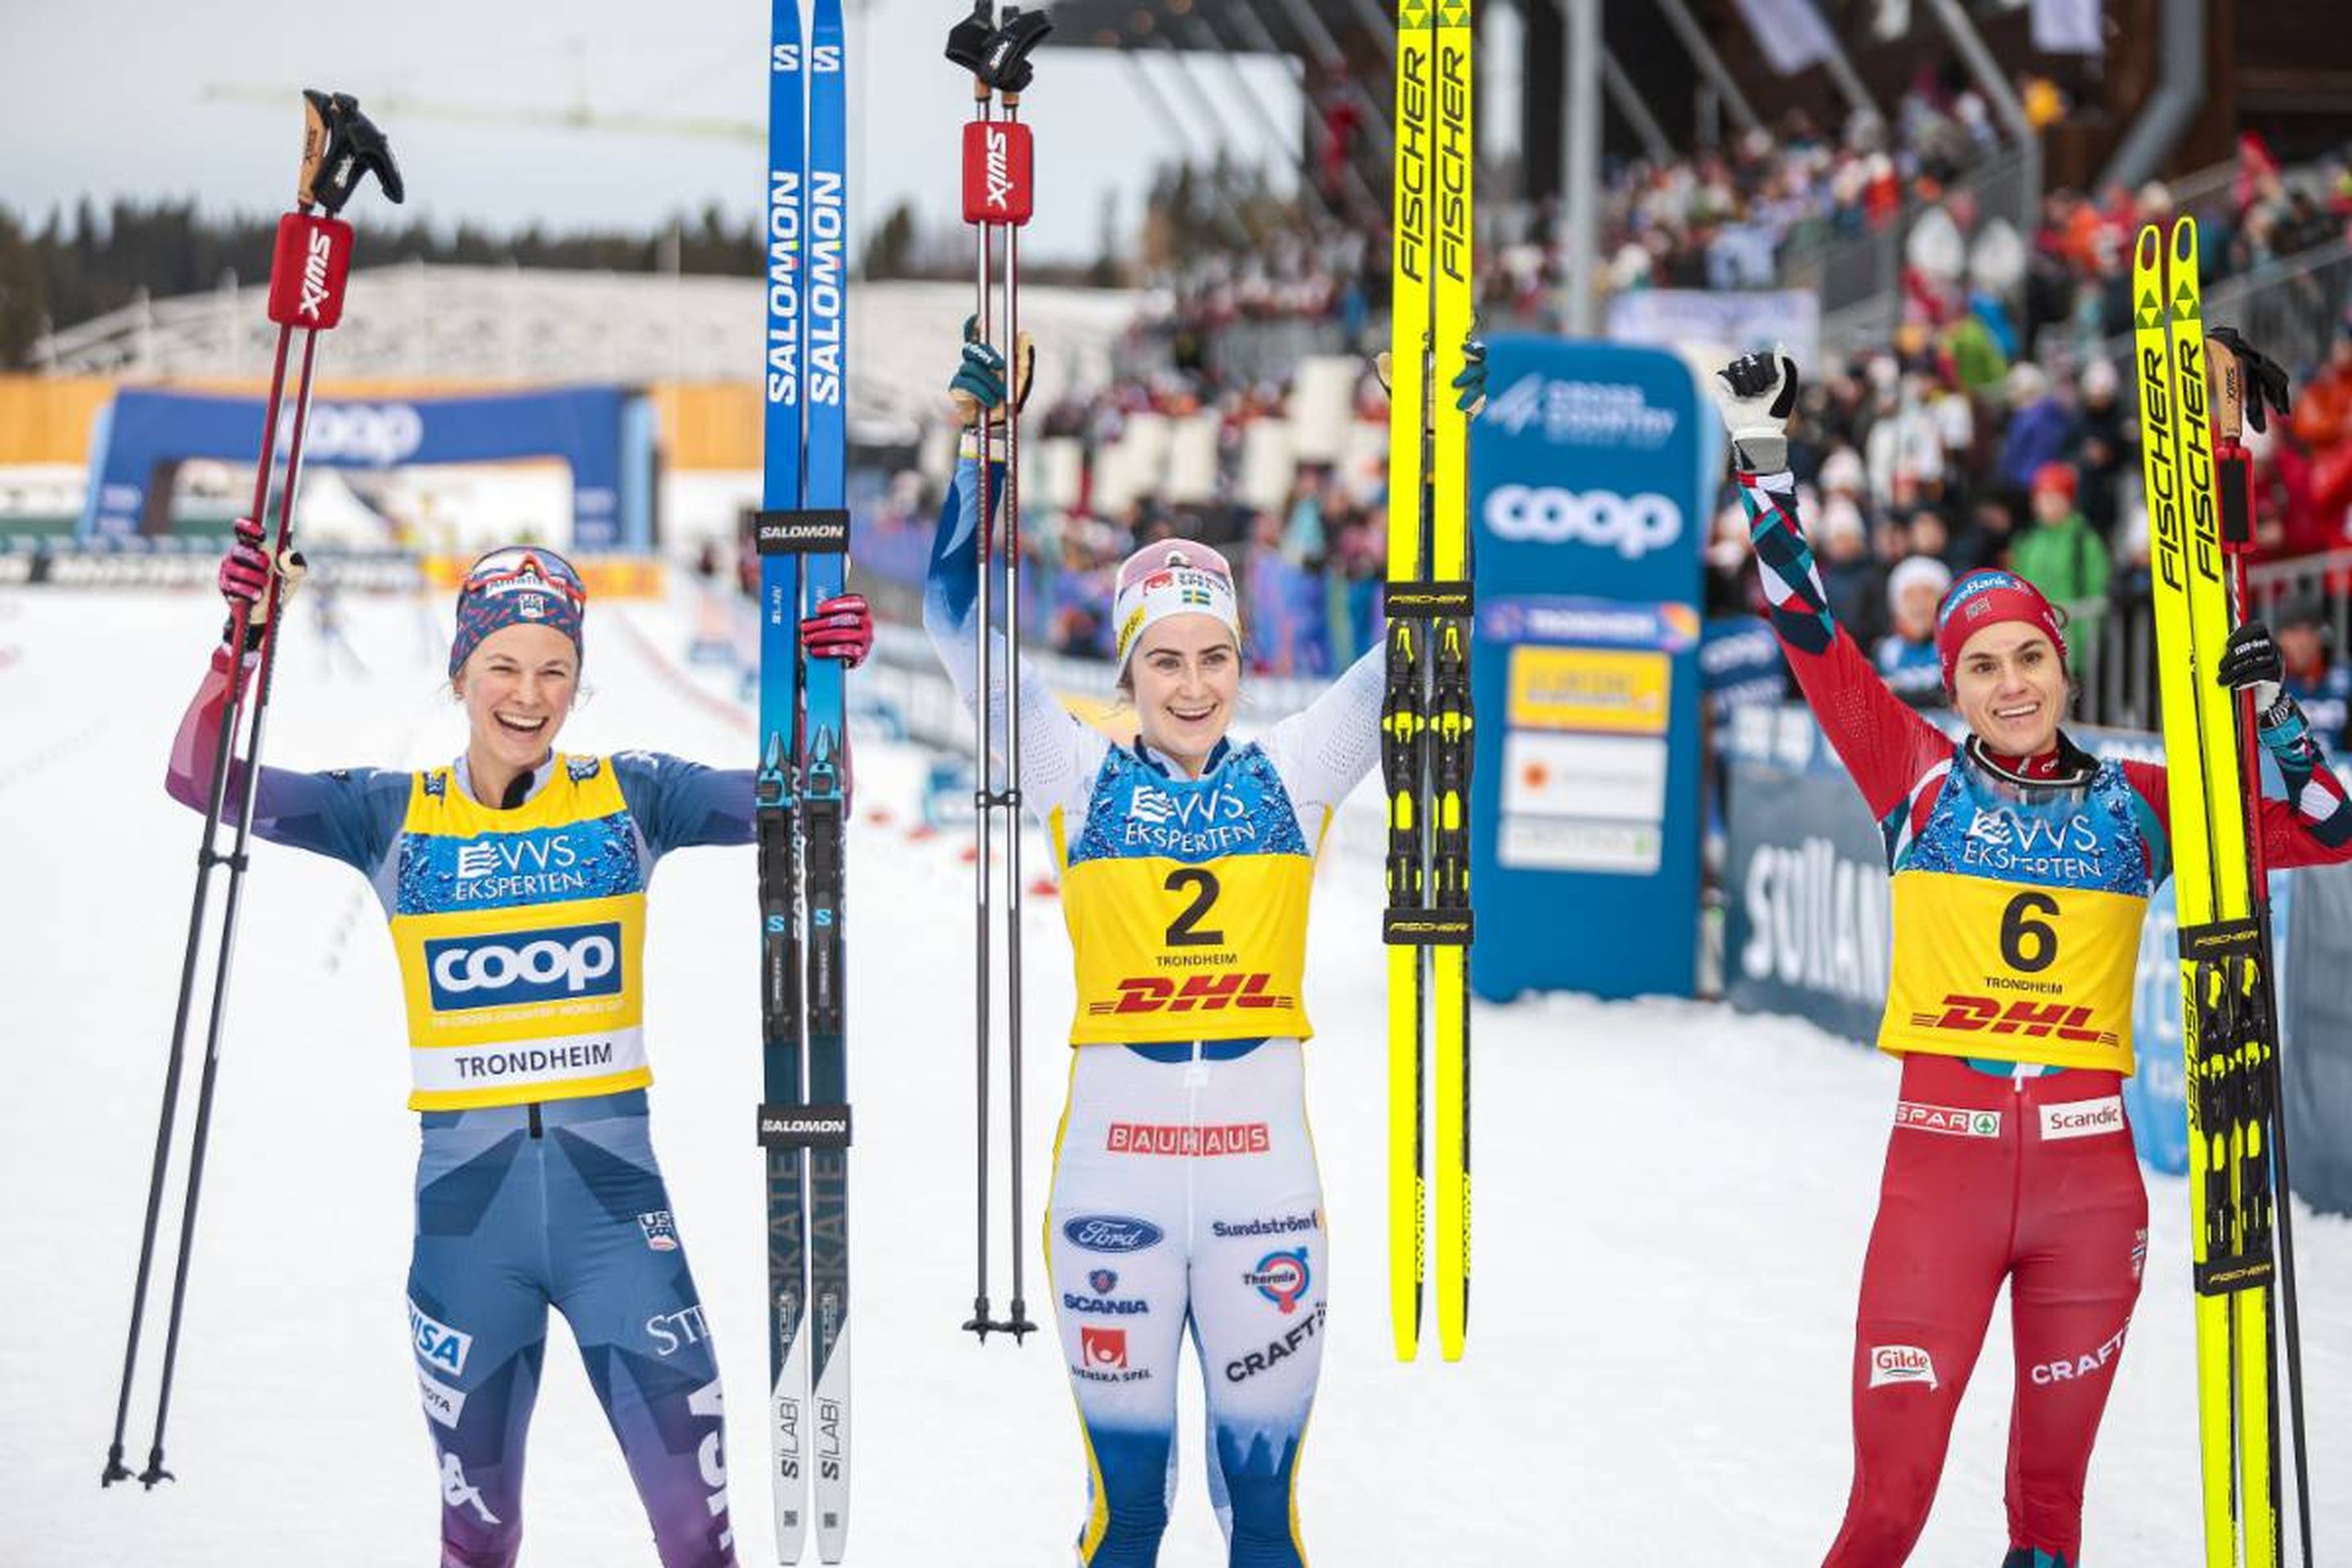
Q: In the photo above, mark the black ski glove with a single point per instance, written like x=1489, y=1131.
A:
x=2250, y=661
x=978, y=385
x=2265, y=382
x=1470, y=385
x=340, y=147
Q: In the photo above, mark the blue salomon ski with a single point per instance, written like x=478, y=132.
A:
x=802, y=788
x=824, y=778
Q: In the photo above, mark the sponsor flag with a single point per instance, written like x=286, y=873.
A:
x=1790, y=33
x=2067, y=27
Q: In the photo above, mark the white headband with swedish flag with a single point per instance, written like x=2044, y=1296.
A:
x=1176, y=588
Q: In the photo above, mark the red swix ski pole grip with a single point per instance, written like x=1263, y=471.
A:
x=307, y=270
x=996, y=171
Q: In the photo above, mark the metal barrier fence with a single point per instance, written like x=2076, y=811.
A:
x=1860, y=277
x=2118, y=675
x=2292, y=310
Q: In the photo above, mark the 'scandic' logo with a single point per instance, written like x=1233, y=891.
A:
x=528, y=966
x=1632, y=527
x=1111, y=1233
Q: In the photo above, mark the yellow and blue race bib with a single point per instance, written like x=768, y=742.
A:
x=520, y=936
x=2017, y=918
x=1186, y=902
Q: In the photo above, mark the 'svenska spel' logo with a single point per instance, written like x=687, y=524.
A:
x=524, y=966
x=1104, y=1348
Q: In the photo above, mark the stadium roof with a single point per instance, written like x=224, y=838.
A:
x=506, y=325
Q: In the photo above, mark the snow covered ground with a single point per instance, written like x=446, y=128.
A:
x=1672, y=1203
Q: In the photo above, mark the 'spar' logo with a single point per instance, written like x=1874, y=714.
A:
x=526, y=966
x=1545, y=514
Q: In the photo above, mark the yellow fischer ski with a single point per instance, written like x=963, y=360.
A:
x=1403, y=756
x=1426, y=717
x=2230, y=1238
x=1449, y=715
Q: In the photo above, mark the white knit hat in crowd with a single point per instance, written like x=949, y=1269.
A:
x=1917, y=571
x=1171, y=577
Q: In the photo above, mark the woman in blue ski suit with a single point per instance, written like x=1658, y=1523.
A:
x=514, y=881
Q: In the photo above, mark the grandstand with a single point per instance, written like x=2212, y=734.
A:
x=449, y=325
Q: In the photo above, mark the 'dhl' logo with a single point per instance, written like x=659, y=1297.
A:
x=2034, y=1020
x=1207, y=993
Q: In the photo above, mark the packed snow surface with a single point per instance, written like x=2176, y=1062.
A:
x=1672, y=1199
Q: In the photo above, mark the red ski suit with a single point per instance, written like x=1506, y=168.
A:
x=2010, y=1156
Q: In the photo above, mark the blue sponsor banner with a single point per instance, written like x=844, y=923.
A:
x=1591, y=471
x=1739, y=663
x=148, y=430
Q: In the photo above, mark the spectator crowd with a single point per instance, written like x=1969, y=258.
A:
x=1991, y=427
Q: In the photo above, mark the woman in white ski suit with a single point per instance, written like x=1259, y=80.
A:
x=1185, y=1193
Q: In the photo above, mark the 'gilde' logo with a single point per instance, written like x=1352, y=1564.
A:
x=1545, y=515
x=526, y=966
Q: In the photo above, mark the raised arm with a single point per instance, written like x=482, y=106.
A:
x=2312, y=826
x=349, y=814
x=1884, y=743
x=1324, y=750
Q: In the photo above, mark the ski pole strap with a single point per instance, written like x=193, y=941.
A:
x=802, y=531
x=804, y=1126
x=2233, y=488
x=1426, y=601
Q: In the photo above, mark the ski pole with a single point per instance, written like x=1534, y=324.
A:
x=308, y=273
x=1008, y=67
x=967, y=46
x=207, y=857
x=2233, y=479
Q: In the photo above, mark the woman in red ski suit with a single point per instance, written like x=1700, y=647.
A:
x=2021, y=869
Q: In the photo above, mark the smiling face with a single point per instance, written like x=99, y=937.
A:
x=518, y=686
x=2010, y=684
x=1183, y=678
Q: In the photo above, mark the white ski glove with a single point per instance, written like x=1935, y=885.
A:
x=1754, y=393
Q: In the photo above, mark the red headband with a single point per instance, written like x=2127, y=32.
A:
x=1988, y=598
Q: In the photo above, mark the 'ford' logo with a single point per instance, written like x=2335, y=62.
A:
x=1111, y=1233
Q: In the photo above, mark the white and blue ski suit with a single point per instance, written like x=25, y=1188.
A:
x=1185, y=1195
